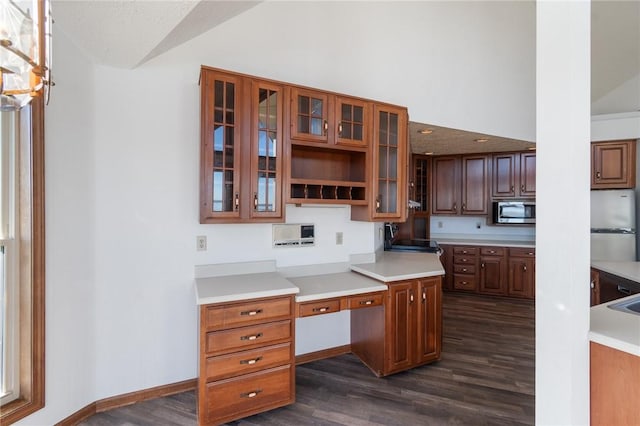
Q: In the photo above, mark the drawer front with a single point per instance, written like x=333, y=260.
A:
x=318, y=307
x=256, y=311
x=365, y=301
x=464, y=260
x=237, y=363
x=468, y=251
x=464, y=269
x=464, y=282
x=227, y=341
x=522, y=252
x=249, y=394
x=493, y=251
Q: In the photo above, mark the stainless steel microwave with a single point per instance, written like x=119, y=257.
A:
x=515, y=212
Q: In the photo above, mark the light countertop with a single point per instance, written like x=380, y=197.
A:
x=628, y=270
x=334, y=285
x=396, y=266
x=231, y=288
x=618, y=330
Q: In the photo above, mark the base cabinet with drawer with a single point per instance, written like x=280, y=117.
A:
x=491, y=270
x=247, y=362
x=404, y=333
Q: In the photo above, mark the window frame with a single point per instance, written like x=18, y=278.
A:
x=32, y=266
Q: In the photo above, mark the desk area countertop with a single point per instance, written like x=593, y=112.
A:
x=628, y=270
x=231, y=288
x=618, y=330
x=327, y=286
x=396, y=266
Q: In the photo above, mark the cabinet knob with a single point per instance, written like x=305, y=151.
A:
x=236, y=201
x=339, y=128
x=593, y=284
x=255, y=201
x=513, y=188
x=521, y=188
x=424, y=295
x=326, y=127
x=524, y=268
x=455, y=207
x=598, y=175
x=378, y=203
x=464, y=206
x=411, y=297
x=482, y=265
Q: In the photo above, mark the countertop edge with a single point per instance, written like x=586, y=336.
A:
x=612, y=342
x=341, y=293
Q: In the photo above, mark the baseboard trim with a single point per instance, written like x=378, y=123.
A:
x=127, y=399
x=323, y=354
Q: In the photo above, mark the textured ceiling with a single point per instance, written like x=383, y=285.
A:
x=127, y=33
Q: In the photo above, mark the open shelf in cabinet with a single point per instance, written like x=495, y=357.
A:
x=327, y=176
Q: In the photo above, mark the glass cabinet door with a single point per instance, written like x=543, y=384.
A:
x=310, y=112
x=220, y=196
x=390, y=149
x=266, y=150
x=352, y=118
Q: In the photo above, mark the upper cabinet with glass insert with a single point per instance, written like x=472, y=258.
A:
x=327, y=118
x=241, y=167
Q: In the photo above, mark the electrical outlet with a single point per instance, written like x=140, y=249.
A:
x=338, y=238
x=478, y=225
x=201, y=243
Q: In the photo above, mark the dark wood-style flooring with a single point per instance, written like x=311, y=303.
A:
x=485, y=377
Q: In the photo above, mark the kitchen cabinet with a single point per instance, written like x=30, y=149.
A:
x=388, y=170
x=459, y=185
x=493, y=270
x=513, y=175
x=595, y=287
x=615, y=388
x=417, y=224
x=611, y=287
x=323, y=117
x=490, y=270
x=246, y=358
x=465, y=268
x=412, y=327
x=613, y=165
x=241, y=169
x=521, y=282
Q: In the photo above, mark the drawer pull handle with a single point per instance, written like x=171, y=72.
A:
x=251, y=337
x=366, y=302
x=464, y=269
x=424, y=296
x=251, y=313
x=624, y=290
x=251, y=394
x=250, y=361
x=322, y=309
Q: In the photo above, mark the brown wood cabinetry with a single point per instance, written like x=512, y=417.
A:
x=513, y=175
x=595, y=287
x=613, y=165
x=615, y=389
x=246, y=356
x=610, y=287
x=521, y=273
x=411, y=332
x=459, y=185
x=491, y=270
x=241, y=170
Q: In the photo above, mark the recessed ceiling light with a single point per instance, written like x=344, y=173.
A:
x=425, y=131
x=481, y=140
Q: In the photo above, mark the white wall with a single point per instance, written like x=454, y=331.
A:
x=477, y=227
x=122, y=172
x=562, y=240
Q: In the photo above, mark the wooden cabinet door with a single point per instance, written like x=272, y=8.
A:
x=446, y=258
x=474, y=199
x=429, y=320
x=221, y=146
x=352, y=122
x=266, y=150
x=595, y=287
x=389, y=186
x=504, y=176
x=528, y=174
x=493, y=275
x=521, y=277
x=613, y=165
x=445, y=185
x=309, y=115
x=400, y=326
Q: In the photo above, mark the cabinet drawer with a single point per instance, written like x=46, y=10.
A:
x=469, y=251
x=237, y=363
x=318, y=307
x=256, y=311
x=241, y=396
x=464, y=282
x=464, y=269
x=522, y=252
x=464, y=260
x=365, y=301
x=492, y=251
x=227, y=341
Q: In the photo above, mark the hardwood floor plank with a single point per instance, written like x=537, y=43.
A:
x=485, y=377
